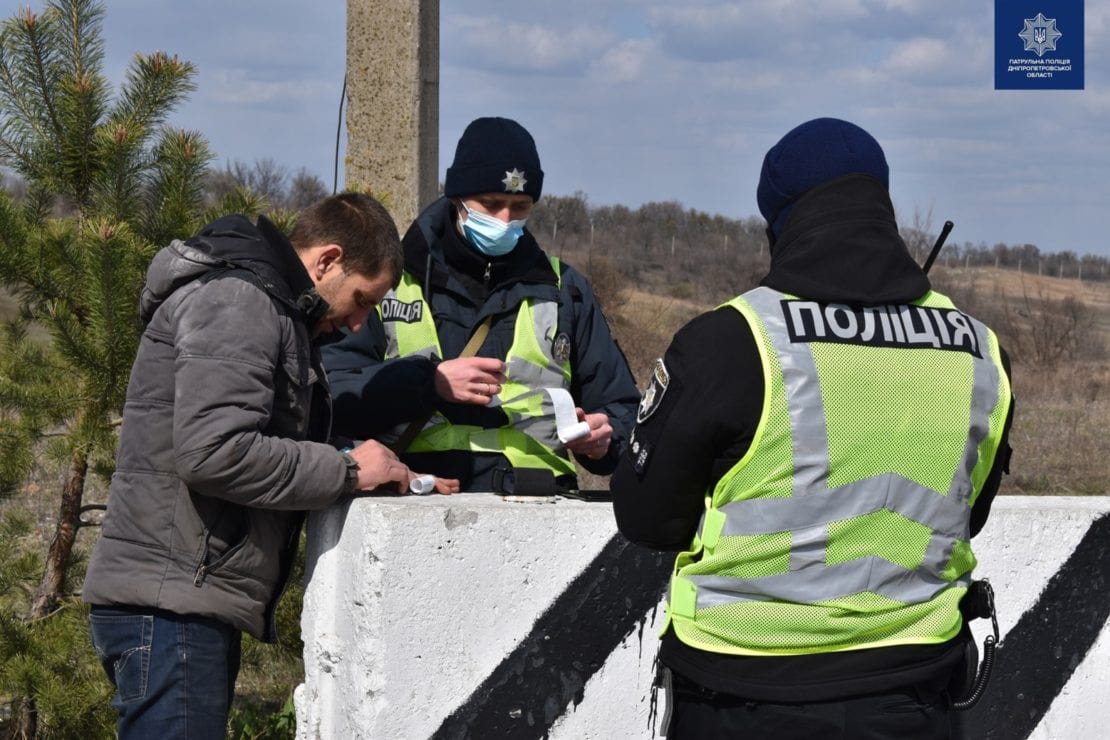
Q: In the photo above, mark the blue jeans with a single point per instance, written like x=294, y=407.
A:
x=174, y=675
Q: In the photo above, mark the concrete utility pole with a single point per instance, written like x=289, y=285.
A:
x=393, y=102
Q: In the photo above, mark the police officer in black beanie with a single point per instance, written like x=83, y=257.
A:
x=475, y=275
x=821, y=449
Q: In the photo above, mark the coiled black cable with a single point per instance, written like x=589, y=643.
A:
x=981, y=678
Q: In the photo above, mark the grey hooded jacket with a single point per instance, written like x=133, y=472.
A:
x=224, y=427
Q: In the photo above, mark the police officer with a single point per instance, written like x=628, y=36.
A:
x=822, y=449
x=475, y=274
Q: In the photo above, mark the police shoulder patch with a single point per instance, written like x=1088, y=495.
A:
x=653, y=396
x=560, y=348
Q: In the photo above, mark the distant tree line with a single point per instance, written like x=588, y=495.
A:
x=1025, y=258
x=663, y=247
x=668, y=248
x=661, y=244
x=269, y=184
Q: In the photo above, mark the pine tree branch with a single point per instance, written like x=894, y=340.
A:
x=22, y=161
x=33, y=29
x=82, y=98
x=80, y=22
x=12, y=90
x=154, y=86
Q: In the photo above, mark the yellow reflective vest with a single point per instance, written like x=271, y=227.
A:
x=530, y=439
x=846, y=524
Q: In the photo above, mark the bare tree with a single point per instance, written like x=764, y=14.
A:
x=918, y=235
x=304, y=190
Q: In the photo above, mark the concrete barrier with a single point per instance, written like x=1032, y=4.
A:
x=474, y=616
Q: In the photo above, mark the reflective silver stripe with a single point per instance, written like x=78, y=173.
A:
x=888, y=491
x=807, y=549
x=540, y=428
x=545, y=321
x=527, y=373
x=392, y=348
x=809, y=437
x=986, y=383
x=392, y=345
x=871, y=574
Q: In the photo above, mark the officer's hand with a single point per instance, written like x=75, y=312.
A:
x=378, y=466
x=595, y=446
x=470, y=379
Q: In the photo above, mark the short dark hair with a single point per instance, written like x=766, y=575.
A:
x=357, y=223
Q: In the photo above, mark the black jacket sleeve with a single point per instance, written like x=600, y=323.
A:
x=690, y=436
x=372, y=395
x=601, y=380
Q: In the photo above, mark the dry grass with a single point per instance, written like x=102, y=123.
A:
x=1062, y=402
x=645, y=324
x=1059, y=435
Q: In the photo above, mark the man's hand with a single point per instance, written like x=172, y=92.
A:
x=444, y=486
x=470, y=379
x=596, y=445
x=378, y=466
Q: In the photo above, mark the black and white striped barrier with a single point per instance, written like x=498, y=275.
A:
x=472, y=616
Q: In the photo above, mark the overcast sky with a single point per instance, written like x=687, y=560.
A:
x=638, y=100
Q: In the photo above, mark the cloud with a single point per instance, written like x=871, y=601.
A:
x=911, y=7
x=243, y=88
x=624, y=62
x=1096, y=22
x=917, y=54
x=936, y=61
x=513, y=48
x=751, y=29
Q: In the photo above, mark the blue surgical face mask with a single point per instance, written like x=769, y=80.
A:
x=491, y=236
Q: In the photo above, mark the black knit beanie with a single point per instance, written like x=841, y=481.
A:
x=494, y=155
x=815, y=152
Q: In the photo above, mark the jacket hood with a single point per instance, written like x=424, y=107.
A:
x=228, y=242
x=840, y=244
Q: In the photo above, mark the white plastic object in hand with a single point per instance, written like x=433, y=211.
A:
x=567, y=425
x=573, y=433
x=422, y=484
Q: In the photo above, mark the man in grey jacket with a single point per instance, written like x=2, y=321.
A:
x=224, y=445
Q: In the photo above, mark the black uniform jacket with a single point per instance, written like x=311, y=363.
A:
x=840, y=244
x=372, y=394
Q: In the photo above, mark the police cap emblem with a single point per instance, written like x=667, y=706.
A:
x=514, y=181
